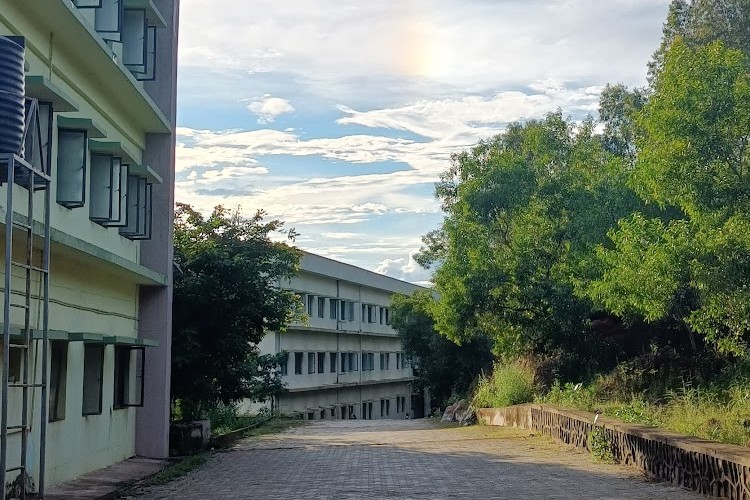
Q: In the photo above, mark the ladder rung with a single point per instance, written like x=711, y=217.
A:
x=21, y=306
x=26, y=266
x=20, y=467
x=13, y=427
x=22, y=224
x=25, y=385
x=18, y=346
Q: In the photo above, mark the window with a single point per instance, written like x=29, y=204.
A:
x=310, y=362
x=343, y=310
x=403, y=403
x=128, y=392
x=344, y=360
x=108, y=187
x=58, y=374
x=71, y=167
x=387, y=316
x=134, y=28
x=352, y=362
x=351, y=311
x=298, y=363
x=93, y=367
x=334, y=308
x=310, y=304
x=332, y=362
x=385, y=359
x=147, y=71
x=321, y=362
x=382, y=315
x=382, y=407
x=398, y=404
x=283, y=366
x=368, y=361
x=371, y=314
x=139, y=209
x=15, y=365
x=45, y=127
x=85, y=4
x=108, y=19
x=369, y=411
x=364, y=313
x=387, y=407
x=321, y=307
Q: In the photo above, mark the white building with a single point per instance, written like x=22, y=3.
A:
x=345, y=360
x=86, y=255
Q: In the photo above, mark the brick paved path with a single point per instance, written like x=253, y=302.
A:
x=408, y=459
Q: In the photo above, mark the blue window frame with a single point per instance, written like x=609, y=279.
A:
x=72, y=156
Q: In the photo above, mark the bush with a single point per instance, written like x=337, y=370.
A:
x=509, y=384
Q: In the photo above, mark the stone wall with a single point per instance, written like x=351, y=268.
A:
x=710, y=468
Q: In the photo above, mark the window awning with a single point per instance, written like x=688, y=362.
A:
x=94, y=129
x=152, y=12
x=128, y=154
x=40, y=87
x=88, y=337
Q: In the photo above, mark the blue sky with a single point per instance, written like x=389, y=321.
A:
x=337, y=116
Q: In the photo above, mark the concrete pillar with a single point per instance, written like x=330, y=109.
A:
x=155, y=303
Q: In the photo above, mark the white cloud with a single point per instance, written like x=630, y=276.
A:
x=404, y=268
x=474, y=44
x=267, y=108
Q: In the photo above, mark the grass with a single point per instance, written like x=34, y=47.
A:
x=509, y=384
x=717, y=413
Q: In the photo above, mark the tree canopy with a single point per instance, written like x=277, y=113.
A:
x=226, y=297
x=641, y=220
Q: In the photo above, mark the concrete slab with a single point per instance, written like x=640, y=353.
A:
x=104, y=483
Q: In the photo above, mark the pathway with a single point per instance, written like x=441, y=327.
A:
x=374, y=459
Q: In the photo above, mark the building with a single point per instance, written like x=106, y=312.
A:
x=345, y=360
x=102, y=75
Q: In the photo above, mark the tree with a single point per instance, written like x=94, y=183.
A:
x=226, y=297
x=693, y=263
x=442, y=367
x=702, y=22
x=267, y=385
x=518, y=235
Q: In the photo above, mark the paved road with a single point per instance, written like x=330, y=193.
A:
x=408, y=459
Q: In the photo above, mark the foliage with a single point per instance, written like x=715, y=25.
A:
x=226, y=418
x=601, y=446
x=519, y=236
x=267, y=384
x=510, y=384
x=442, y=367
x=693, y=158
x=226, y=297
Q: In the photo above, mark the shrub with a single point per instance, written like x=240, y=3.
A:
x=510, y=384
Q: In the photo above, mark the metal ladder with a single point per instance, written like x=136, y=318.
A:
x=29, y=170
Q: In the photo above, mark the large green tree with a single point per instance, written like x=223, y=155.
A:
x=442, y=367
x=226, y=297
x=524, y=212
x=694, y=161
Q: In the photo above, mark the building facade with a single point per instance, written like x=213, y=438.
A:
x=103, y=73
x=344, y=360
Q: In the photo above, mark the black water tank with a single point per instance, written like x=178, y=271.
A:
x=11, y=95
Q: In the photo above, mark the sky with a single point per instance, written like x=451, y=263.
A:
x=338, y=116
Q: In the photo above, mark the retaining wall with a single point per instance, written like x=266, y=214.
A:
x=710, y=468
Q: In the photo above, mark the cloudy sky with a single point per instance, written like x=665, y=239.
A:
x=337, y=116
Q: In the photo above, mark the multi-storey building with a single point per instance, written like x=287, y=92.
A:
x=345, y=360
x=102, y=74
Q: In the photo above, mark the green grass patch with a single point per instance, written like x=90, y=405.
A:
x=509, y=384
x=717, y=413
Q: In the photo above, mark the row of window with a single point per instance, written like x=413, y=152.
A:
x=318, y=306
x=129, y=27
x=116, y=198
x=348, y=411
x=340, y=362
x=127, y=378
